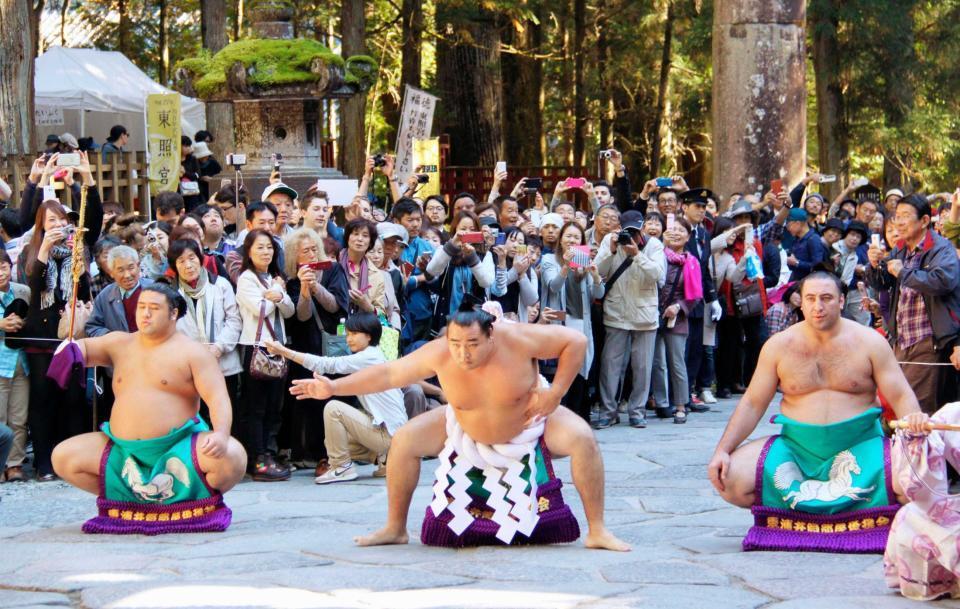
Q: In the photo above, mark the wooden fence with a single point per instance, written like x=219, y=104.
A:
x=122, y=179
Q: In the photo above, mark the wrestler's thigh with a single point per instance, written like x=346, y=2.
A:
x=423, y=435
x=742, y=475
x=565, y=431
x=79, y=454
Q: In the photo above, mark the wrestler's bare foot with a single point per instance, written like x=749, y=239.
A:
x=384, y=537
x=603, y=539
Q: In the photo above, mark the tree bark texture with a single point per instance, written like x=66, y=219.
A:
x=523, y=116
x=123, y=28
x=832, y=131
x=213, y=29
x=471, y=86
x=606, y=99
x=579, y=95
x=213, y=24
x=16, y=74
x=665, y=60
x=759, y=94
x=164, y=66
x=353, y=25
x=410, y=64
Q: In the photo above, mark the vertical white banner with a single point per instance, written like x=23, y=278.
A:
x=416, y=121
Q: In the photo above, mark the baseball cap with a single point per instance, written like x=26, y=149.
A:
x=631, y=219
x=277, y=187
x=893, y=191
x=69, y=140
x=797, y=215
x=388, y=230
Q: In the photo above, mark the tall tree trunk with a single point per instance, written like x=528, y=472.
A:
x=64, y=4
x=579, y=94
x=832, y=132
x=16, y=74
x=123, y=28
x=606, y=98
x=524, y=121
x=37, y=6
x=665, y=60
x=238, y=22
x=164, y=66
x=353, y=25
x=410, y=63
x=566, y=80
x=213, y=32
x=471, y=84
x=899, y=56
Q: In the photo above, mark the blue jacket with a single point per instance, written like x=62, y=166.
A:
x=808, y=250
x=419, y=304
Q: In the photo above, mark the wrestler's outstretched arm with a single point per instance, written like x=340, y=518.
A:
x=889, y=377
x=750, y=409
x=419, y=365
x=97, y=351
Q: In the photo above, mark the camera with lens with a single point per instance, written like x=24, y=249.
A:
x=624, y=237
x=422, y=178
x=69, y=231
x=379, y=160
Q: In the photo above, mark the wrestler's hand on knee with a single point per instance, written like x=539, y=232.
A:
x=717, y=470
x=916, y=423
x=215, y=444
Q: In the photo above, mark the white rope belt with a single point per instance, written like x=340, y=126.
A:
x=502, y=466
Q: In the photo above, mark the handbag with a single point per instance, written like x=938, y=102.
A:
x=263, y=365
x=331, y=345
x=747, y=301
x=389, y=339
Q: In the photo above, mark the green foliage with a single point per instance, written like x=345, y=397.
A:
x=268, y=63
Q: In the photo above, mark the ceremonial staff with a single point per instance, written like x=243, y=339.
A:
x=79, y=265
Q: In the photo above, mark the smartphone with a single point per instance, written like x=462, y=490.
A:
x=671, y=221
x=826, y=179
x=501, y=239
x=875, y=240
x=664, y=182
x=776, y=186
x=560, y=315
x=501, y=167
x=422, y=178
x=68, y=159
x=407, y=268
x=575, y=182
x=862, y=288
x=521, y=250
x=326, y=265
x=532, y=185
x=277, y=159
x=861, y=182
x=471, y=237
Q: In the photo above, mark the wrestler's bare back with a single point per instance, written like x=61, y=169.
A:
x=826, y=381
x=153, y=383
x=490, y=401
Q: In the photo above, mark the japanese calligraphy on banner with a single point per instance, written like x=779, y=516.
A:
x=426, y=160
x=44, y=116
x=416, y=121
x=163, y=141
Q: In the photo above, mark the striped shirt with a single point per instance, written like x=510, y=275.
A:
x=913, y=322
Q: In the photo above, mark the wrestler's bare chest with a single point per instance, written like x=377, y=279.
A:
x=163, y=368
x=842, y=365
x=502, y=383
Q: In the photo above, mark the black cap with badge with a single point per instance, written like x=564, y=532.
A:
x=697, y=196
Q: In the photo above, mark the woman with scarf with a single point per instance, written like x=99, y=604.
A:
x=517, y=285
x=321, y=298
x=465, y=271
x=212, y=315
x=680, y=293
x=366, y=284
x=572, y=285
x=262, y=294
x=55, y=414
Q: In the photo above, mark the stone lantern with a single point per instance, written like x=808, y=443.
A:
x=275, y=84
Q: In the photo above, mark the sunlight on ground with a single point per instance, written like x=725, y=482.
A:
x=171, y=597
x=106, y=577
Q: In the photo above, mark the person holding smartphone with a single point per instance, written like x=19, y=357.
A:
x=571, y=288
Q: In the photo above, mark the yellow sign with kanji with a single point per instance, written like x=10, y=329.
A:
x=426, y=160
x=163, y=141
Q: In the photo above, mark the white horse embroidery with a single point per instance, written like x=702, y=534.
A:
x=839, y=484
x=161, y=487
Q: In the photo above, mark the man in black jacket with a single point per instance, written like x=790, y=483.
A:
x=694, y=205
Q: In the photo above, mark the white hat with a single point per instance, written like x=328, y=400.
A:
x=201, y=150
x=277, y=187
x=388, y=230
x=893, y=191
x=551, y=218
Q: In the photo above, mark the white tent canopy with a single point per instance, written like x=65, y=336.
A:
x=89, y=80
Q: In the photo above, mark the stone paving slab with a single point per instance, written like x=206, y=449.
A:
x=290, y=547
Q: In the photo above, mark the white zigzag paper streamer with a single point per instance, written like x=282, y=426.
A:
x=439, y=502
x=501, y=509
x=461, y=499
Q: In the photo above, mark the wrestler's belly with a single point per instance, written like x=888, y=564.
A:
x=826, y=406
x=491, y=425
x=141, y=413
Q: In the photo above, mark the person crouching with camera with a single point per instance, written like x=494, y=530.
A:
x=632, y=266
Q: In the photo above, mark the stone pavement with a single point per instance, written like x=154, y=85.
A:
x=290, y=547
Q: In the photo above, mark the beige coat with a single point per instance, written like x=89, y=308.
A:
x=632, y=302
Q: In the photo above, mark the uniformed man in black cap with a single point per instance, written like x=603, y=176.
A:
x=699, y=372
